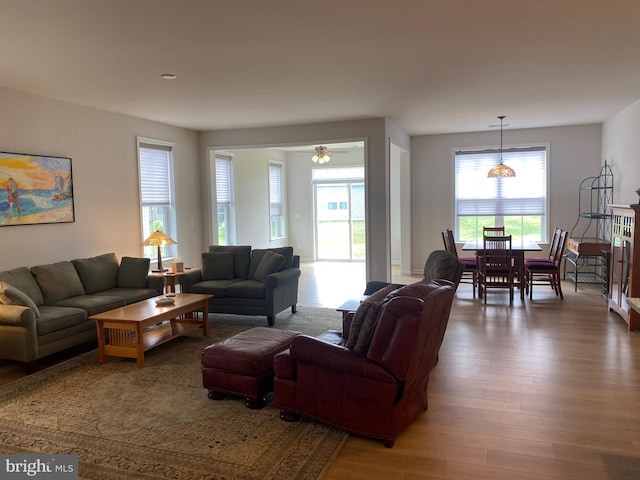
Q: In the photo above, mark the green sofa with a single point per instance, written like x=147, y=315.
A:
x=245, y=281
x=45, y=309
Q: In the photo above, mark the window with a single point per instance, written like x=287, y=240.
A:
x=155, y=162
x=276, y=213
x=224, y=200
x=519, y=203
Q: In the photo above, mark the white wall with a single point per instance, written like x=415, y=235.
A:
x=375, y=132
x=251, y=185
x=102, y=147
x=621, y=148
x=575, y=153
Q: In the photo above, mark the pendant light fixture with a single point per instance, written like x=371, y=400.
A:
x=501, y=170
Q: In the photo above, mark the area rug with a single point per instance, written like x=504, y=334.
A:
x=157, y=422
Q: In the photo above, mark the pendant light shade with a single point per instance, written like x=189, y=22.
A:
x=501, y=170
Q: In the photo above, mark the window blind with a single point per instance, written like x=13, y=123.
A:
x=223, y=180
x=155, y=177
x=524, y=194
x=275, y=189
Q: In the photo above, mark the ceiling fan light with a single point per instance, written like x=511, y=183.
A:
x=315, y=158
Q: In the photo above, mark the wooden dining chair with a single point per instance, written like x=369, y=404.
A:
x=495, y=266
x=470, y=272
x=493, y=231
x=541, y=271
x=553, y=247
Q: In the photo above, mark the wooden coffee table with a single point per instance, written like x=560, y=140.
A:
x=136, y=328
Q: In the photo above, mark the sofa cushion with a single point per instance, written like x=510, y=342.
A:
x=58, y=281
x=23, y=280
x=10, y=295
x=365, y=319
x=241, y=258
x=270, y=263
x=217, y=288
x=93, y=304
x=246, y=289
x=130, y=295
x=217, y=266
x=133, y=272
x=97, y=273
x=53, y=319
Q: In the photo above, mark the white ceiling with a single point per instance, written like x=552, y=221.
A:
x=432, y=66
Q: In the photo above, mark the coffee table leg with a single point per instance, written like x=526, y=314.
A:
x=139, y=347
x=101, y=340
x=205, y=318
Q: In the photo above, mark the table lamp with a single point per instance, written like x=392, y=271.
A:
x=159, y=239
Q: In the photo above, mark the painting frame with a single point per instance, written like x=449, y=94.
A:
x=35, y=189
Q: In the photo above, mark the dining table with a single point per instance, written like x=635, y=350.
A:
x=518, y=249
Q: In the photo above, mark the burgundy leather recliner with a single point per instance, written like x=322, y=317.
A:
x=380, y=392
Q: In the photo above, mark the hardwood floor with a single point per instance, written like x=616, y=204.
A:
x=545, y=389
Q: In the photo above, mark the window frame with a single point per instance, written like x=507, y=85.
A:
x=497, y=200
x=225, y=204
x=149, y=200
x=277, y=203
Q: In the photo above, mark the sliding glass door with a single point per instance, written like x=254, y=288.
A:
x=340, y=220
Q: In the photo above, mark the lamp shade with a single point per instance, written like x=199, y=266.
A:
x=159, y=239
x=501, y=170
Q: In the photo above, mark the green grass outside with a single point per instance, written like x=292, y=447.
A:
x=519, y=227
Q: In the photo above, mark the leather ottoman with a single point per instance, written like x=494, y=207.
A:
x=243, y=364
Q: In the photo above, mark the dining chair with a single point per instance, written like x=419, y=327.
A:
x=493, y=231
x=470, y=272
x=541, y=271
x=553, y=247
x=495, y=266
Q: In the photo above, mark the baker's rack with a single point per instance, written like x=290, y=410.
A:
x=589, y=242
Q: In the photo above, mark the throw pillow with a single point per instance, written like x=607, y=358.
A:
x=270, y=263
x=241, y=258
x=97, y=274
x=10, y=295
x=133, y=272
x=217, y=266
x=258, y=253
x=365, y=320
x=58, y=281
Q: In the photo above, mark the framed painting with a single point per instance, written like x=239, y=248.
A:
x=35, y=189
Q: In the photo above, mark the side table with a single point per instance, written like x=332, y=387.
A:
x=350, y=305
x=171, y=279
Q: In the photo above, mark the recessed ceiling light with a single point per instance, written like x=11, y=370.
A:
x=168, y=76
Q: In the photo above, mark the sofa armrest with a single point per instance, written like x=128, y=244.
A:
x=17, y=315
x=284, y=277
x=156, y=282
x=311, y=350
x=189, y=278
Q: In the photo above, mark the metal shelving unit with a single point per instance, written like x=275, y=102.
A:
x=590, y=235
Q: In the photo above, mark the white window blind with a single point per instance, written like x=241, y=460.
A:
x=155, y=176
x=524, y=194
x=275, y=189
x=223, y=180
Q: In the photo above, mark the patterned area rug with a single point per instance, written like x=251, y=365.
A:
x=157, y=422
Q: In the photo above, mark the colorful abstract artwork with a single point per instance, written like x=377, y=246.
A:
x=35, y=189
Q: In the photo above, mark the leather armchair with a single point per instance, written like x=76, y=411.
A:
x=377, y=393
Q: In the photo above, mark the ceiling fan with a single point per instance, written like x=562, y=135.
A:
x=322, y=154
